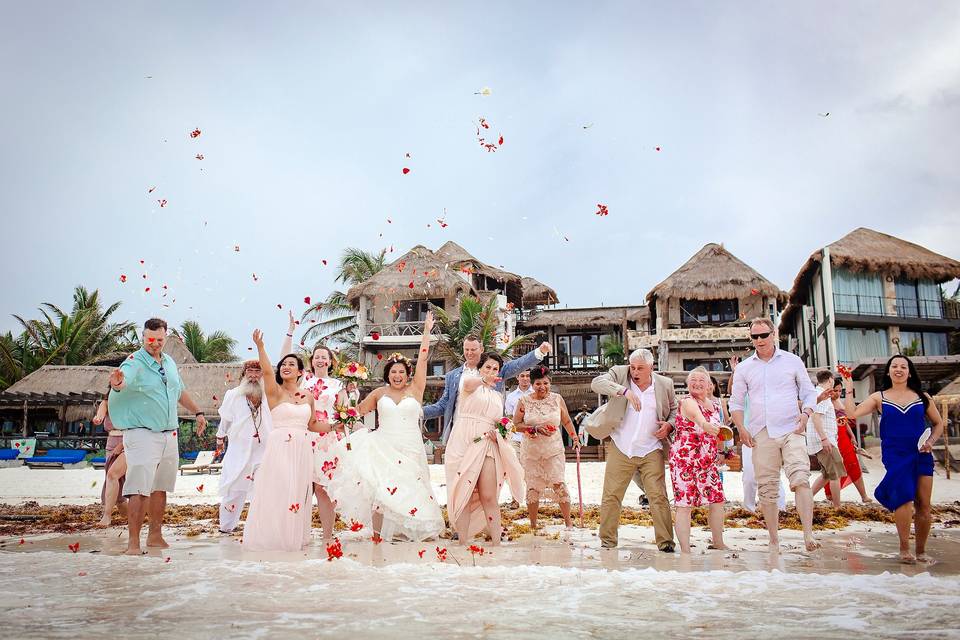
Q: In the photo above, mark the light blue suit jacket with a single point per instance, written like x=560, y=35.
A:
x=447, y=404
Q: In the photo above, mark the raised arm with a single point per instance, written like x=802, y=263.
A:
x=865, y=408
x=513, y=368
x=270, y=386
x=423, y=357
x=287, y=346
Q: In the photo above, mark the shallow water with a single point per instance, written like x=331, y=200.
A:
x=210, y=588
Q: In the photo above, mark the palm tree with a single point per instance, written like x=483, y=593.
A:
x=612, y=350
x=337, y=318
x=477, y=318
x=78, y=337
x=216, y=347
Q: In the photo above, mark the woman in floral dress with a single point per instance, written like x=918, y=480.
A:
x=693, y=460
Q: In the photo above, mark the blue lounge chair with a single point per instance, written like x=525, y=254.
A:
x=56, y=458
x=98, y=462
x=9, y=454
x=190, y=455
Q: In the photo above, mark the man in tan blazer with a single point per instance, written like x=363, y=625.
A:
x=639, y=445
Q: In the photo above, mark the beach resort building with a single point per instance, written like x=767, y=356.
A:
x=699, y=315
x=868, y=296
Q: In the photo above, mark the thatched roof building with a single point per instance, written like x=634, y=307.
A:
x=587, y=317
x=712, y=273
x=864, y=249
x=423, y=274
x=419, y=273
x=77, y=390
x=534, y=293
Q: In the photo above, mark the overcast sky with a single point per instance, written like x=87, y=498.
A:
x=306, y=111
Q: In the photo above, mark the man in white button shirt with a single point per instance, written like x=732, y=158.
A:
x=510, y=403
x=777, y=384
x=637, y=445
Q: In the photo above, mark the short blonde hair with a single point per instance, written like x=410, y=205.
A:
x=767, y=322
x=701, y=370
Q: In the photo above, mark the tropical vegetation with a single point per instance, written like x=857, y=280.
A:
x=472, y=315
x=215, y=347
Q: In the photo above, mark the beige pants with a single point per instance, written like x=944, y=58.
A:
x=770, y=454
x=619, y=471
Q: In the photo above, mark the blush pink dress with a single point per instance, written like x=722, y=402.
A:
x=477, y=413
x=279, y=517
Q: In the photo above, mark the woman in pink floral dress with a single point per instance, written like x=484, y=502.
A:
x=693, y=460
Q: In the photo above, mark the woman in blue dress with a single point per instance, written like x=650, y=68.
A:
x=907, y=485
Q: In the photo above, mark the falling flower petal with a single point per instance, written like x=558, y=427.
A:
x=406, y=170
x=195, y=133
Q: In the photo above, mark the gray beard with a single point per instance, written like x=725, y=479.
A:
x=252, y=390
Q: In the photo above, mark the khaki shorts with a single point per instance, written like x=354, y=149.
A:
x=831, y=463
x=771, y=454
x=152, y=461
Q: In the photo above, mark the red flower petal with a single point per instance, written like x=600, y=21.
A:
x=306, y=300
x=406, y=171
x=200, y=488
x=195, y=133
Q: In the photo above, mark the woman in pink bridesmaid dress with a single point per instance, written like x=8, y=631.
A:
x=279, y=516
x=478, y=459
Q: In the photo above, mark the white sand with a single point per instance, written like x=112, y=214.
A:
x=82, y=486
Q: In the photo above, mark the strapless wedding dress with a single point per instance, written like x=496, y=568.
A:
x=386, y=471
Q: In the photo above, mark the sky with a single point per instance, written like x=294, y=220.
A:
x=692, y=122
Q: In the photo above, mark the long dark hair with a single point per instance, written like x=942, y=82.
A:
x=280, y=362
x=913, y=379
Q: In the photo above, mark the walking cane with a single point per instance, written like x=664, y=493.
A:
x=579, y=487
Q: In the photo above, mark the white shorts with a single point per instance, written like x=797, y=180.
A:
x=153, y=458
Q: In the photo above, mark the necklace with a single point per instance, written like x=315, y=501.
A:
x=256, y=416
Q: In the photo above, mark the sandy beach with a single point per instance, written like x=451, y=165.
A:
x=205, y=583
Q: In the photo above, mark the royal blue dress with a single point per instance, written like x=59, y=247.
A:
x=900, y=429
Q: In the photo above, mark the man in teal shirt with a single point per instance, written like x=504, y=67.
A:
x=144, y=392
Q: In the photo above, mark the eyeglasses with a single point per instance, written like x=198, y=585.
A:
x=760, y=336
x=163, y=374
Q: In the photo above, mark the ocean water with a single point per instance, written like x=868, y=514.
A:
x=52, y=594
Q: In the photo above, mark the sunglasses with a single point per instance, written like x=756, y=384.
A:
x=760, y=336
x=163, y=374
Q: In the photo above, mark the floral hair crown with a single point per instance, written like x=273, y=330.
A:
x=396, y=356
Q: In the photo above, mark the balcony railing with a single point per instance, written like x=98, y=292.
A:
x=396, y=329
x=894, y=307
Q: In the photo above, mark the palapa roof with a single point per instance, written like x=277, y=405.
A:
x=57, y=384
x=458, y=257
x=713, y=273
x=430, y=277
x=864, y=249
x=534, y=292
x=951, y=391
x=586, y=317
x=435, y=274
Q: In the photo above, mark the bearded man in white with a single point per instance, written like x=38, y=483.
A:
x=246, y=424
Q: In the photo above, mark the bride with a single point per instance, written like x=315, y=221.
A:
x=384, y=479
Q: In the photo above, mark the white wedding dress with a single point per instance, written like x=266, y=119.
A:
x=386, y=471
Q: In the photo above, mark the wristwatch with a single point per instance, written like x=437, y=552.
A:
x=198, y=414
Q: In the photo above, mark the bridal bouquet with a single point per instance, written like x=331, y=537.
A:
x=504, y=426
x=353, y=372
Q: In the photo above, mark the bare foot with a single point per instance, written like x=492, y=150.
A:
x=157, y=541
x=774, y=545
x=102, y=524
x=907, y=558
x=866, y=500
x=133, y=551
x=811, y=545
x=719, y=547
x=924, y=558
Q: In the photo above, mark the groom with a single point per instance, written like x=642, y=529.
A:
x=446, y=406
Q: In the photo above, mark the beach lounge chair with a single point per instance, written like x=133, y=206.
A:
x=8, y=458
x=99, y=462
x=190, y=455
x=56, y=459
x=202, y=463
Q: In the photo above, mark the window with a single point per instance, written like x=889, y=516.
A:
x=918, y=299
x=415, y=310
x=694, y=313
x=857, y=293
x=923, y=343
x=435, y=368
x=709, y=365
x=578, y=350
x=854, y=345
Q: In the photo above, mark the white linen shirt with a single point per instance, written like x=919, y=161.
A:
x=510, y=406
x=774, y=388
x=635, y=435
